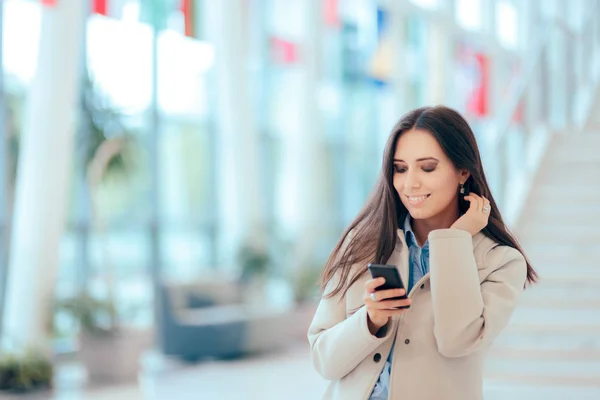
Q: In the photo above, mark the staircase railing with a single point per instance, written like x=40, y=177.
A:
x=557, y=89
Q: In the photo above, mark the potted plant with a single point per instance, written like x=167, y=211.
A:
x=305, y=281
x=255, y=267
x=29, y=371
x=254, y=263
x=109, y=350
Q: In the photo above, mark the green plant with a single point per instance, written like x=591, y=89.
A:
x=254, y=262
x=105, y=141
x=305, y=282
x=98, y=317
x=107, y=149
x=14, y=122
x=24, y=372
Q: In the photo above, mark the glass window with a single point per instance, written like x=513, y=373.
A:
x=22, y=20
x=186, y=196
x=469, y=14
x=116, y=237
x=427, y=3
x=507, y=27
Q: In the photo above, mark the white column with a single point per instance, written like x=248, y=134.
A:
x=303, y=186
x=308, y=143
x=439, y=60
x=42, y=189
x=531, y=34
x=399, y=56
x=240, y=200
x=4, y=192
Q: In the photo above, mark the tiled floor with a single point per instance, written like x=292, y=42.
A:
x=292, y=373
x=289, y=372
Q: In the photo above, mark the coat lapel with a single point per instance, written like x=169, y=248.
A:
x=400, y=257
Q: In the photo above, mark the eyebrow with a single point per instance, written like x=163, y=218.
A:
x=419, y=159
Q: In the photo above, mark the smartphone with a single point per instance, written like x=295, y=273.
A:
x=392, y=279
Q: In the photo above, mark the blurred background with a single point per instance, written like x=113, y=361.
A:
x=174, y=174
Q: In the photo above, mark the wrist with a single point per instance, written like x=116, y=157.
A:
x=374, y=327
x=463, y=229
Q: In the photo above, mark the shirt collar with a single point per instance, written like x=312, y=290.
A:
x=408, y=232
x=411, y=239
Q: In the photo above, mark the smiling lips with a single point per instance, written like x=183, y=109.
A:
x=416, y=200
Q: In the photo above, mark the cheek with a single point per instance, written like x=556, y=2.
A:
x=398, y=183
x=399, y=186
x=399, y=180
x=446, y=186
x=443, y=185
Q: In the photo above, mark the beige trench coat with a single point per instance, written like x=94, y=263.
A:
x=457, y=310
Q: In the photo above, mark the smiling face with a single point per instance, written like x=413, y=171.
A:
x=424, y=177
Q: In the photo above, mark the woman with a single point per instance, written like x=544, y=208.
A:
x=433, y=216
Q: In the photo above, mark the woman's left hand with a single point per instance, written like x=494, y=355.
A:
x=476, y=217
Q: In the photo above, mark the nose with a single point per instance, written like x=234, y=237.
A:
x=412, y=181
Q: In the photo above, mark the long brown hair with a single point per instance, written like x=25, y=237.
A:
x=371, y=237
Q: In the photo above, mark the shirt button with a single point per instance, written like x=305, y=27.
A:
x=407, y=341
x=377, y=357
x=422, y=286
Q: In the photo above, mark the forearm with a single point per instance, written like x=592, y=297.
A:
x=337, y=350
x=468, y=314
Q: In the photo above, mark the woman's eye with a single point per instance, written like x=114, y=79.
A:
x=428, y=169
x=400, y=170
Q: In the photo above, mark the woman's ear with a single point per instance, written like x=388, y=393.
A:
x=464, y=175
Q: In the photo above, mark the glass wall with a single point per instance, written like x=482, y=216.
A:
x=108, y=244
x=134, y=208
x=147, y=203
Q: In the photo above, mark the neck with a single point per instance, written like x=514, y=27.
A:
x=443, y=220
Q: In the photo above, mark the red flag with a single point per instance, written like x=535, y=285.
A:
x=478, y=102
x=283, y=51
x=331, y=13
x=187, y=7
x=99, y=7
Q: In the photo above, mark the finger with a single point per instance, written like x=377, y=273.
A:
x=486, y=205
x=388, y=304
x=389, y=293
x=472, y=202
x=482, y=202
x=393, y=304
x=478, y=203
x=373, y=284
x=369, y=303
x=392, y=313
x=376, y=305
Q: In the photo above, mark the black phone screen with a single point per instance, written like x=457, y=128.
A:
x=392, y=278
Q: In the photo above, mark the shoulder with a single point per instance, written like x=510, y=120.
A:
x=493, y=255
x=342, y=275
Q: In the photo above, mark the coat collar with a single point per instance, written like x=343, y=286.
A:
x=477, y=238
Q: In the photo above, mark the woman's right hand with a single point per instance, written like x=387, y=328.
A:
x=380, y=311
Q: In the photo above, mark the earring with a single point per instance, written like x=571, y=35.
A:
x=462, y=188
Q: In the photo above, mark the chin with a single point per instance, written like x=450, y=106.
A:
x=421, y=214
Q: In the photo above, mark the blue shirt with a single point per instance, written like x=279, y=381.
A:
x=418, y=261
